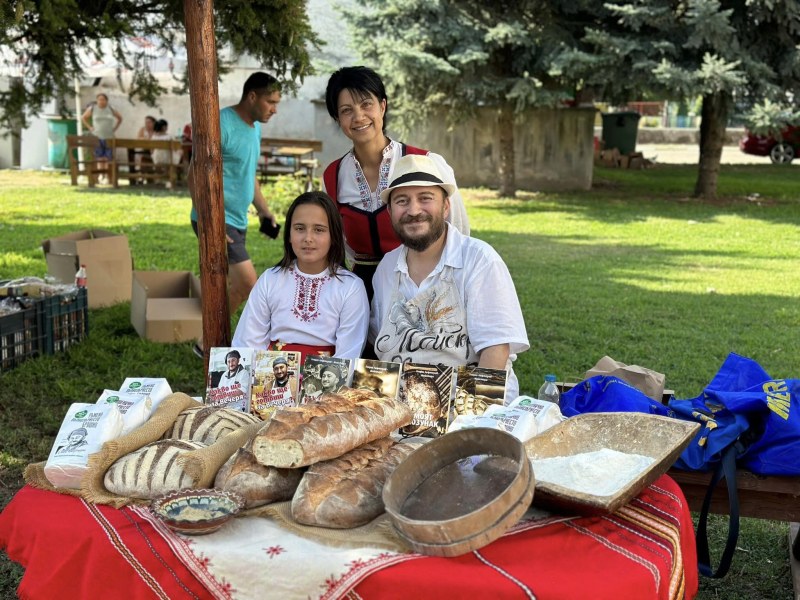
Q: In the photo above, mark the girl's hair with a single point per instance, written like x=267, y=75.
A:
x=335, y=228
x=360, y=82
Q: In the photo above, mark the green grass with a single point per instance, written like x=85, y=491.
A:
x=634, y=269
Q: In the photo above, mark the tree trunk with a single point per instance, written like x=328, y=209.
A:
x=505, y=134
x=207, y=172
x=712, y=138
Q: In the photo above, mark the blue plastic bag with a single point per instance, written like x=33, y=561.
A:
x=770, y=406
x=606, y=393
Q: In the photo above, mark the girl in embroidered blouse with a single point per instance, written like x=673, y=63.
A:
x=356, y=99
x=308, y=301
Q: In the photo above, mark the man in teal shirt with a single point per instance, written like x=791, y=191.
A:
x=240, y=139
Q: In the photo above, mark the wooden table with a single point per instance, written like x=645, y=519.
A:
x=289, y=159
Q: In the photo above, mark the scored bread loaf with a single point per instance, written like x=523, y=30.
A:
x=254, y=482
x=325, y=429
x=346, y=492
x=208, y=423
x=151, y=471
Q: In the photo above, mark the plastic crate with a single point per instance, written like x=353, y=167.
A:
x=66, y=320
x=22, y=335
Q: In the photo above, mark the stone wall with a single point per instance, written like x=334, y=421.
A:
x=553, y=148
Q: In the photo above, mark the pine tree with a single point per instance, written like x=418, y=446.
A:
x=454, y=56
x=723, y=50
x=44, y=39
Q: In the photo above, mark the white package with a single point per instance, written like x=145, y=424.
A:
x=544, y=412
x=84, y=430
x=155, y=387
x=135, y=409
x=518, y=423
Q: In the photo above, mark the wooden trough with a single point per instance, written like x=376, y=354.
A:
x=661, y=438
x=459, y=492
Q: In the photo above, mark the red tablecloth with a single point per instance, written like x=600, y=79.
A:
x=72, y=549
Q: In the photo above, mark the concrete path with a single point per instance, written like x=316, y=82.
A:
x=688, y=154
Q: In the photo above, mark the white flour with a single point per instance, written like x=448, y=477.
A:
x=600, y=473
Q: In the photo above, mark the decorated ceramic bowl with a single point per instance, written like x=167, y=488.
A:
x=197, y=512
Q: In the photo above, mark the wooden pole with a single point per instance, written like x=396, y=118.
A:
x=207, y=172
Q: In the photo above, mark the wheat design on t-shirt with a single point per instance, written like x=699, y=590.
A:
x=306, y=296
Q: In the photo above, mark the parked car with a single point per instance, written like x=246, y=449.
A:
x=780, y=151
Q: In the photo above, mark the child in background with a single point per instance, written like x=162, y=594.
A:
x=308, y=302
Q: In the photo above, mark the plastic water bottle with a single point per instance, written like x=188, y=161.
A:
x=549, y=389
x=80, y=277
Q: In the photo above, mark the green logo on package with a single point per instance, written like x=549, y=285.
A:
x=81, y=413
x=135, y=385
x=112, y=399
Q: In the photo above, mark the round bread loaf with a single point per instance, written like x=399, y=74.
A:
x=151, y=471
x=208, y=423
x=254, y=482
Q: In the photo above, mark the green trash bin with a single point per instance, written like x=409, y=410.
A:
x=57, y=131
x=619, y=131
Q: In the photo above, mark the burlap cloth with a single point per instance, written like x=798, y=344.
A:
x=202, y=465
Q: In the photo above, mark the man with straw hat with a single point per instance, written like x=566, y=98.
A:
x=441, y=297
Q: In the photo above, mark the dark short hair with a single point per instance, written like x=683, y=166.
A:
x=161, y=125
x=335, y=227
x=360, y=82
x=260, y=83
x=103, y=94
x=233, y=353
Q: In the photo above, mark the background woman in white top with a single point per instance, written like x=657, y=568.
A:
x=308, y=302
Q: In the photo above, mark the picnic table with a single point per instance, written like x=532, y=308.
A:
x=287, y=156
x=72, y=548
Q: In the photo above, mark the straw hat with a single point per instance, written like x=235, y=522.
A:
x=416, y=170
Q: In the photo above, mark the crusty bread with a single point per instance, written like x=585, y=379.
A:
x=150, y=471
x=346, y=492
x=208, y=423
x=254, y=482
x=335, y=424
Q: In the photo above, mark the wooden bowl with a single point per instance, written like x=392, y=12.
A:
x=197, y=512
x=660, y=438
x=459, y=492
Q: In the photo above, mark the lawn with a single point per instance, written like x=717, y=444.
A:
x=634, y=269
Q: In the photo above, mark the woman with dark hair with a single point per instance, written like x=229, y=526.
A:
x=308, y=302
x=356, y=99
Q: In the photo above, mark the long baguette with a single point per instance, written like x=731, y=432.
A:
x=326, y=429
x=346, y=492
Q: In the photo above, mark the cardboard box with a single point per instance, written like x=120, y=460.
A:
x=165, y=306
x=107, y=257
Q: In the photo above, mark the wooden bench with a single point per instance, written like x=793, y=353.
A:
x=128, y=168
x=760, y=497
x=82, y=162
x=124, y=167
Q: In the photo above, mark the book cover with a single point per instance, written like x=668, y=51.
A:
x=229, y=377
x=380, y=376
x=477, y=388
x=428, y=390
x=275, y=381
x=323, y=374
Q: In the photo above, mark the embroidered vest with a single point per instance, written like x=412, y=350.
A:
x=369, y=234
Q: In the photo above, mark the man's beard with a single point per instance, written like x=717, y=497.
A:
x=421, y=242
x=282, y=382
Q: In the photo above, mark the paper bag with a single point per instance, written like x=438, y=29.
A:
x=645, y=380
